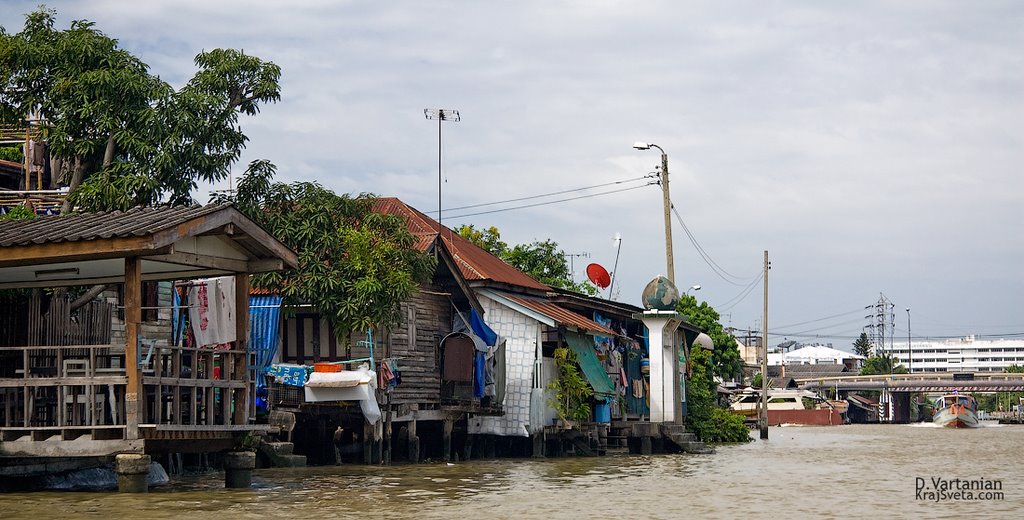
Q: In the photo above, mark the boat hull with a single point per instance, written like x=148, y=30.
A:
x=964, y=418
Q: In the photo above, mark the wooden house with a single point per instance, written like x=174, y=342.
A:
x=82, y=392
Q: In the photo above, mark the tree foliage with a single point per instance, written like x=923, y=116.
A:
x=882, y=364
x=118, y=135
x=355, y=265
x=542, y=260
x=571, y=399
x=862, y=346
x=726, y=358
x=709, y=421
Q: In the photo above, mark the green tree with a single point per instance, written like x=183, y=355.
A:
x=487, y=239
x=119, y=136
x=711, y=422
x=862, y=346
x=882, y=364
x=704, y=417
x=355, y=265
x=542, y=260
x=726, y=360
x=571, y=399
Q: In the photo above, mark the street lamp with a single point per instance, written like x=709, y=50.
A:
x=441, y=115
x=910, y=350
x=670, y=264
x=692, y=288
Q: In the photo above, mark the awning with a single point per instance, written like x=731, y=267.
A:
x=592, y=367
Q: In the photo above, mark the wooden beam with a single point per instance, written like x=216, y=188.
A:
x=58, y=252
x=196, y=260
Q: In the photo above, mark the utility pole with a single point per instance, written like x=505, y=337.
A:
x=667, y=203
x=910, y=350
x=764, y=355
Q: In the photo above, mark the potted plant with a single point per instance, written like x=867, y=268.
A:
x=570, y=392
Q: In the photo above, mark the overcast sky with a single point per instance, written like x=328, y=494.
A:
x=870, y=147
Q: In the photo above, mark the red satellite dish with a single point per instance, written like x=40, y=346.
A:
x=599, y=275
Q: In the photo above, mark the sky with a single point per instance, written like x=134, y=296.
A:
x=872, y=148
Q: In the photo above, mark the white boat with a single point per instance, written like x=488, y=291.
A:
x=747, y=402
x=956, y=410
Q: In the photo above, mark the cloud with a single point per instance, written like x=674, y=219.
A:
x=870, y=147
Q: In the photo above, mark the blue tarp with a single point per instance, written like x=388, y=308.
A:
x=264, y=328
x=481, y=329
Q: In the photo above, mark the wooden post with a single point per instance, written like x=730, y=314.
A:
x=132, y=320
x=242, y=345
x=414, y=443
x=447, y=426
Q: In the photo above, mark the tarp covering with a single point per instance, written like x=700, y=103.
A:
x=264, y=325
x=592, y=367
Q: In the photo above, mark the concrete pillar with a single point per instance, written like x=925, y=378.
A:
x=663, y=352
x=238, y=466
x=132, y=472
x=646, y=447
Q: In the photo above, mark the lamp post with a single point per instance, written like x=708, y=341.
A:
x=441, y=115
x=692, y=288
x=667, y=201
x=910, y=350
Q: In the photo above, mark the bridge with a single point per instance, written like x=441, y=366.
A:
x=921, y=382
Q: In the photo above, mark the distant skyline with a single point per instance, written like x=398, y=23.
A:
x=870, y=147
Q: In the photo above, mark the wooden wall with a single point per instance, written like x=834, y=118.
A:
x=426, y=319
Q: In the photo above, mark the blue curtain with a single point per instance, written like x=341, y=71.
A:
x=264, y=328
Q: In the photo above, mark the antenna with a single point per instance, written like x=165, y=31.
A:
x=617, y=239
x=440, y=114
x=572, y=268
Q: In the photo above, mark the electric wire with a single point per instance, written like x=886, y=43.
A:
x=717, y=269
x=471, y=206
x=855, y=311
x=739, y=298
x=546, y=203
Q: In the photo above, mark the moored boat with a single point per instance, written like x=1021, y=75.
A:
x=956, y=411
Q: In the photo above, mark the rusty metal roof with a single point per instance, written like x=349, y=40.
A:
x=561, y=315
x=473, y=262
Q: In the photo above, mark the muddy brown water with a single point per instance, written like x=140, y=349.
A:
x=856, y=471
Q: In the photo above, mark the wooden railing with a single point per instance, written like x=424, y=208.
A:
x=80, y=389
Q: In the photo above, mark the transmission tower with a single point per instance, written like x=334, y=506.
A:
x=882, y=321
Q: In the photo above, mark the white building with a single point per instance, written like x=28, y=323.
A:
x=814, y=355
x=960, y=355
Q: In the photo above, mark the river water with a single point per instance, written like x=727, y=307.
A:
x=854, y=471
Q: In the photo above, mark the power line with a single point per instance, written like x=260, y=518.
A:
x=855, y=311
x=545, y=194
x=717, y=269
x=550, y=202
x=739, y=298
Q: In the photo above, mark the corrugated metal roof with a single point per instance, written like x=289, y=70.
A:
x=473, y=262
x=75, y=227
x=561, y=315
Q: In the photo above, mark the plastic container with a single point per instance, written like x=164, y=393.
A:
x=603, y=413
x=328, y=367
x=645, y=366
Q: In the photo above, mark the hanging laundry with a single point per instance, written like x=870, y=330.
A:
x=212, y=311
